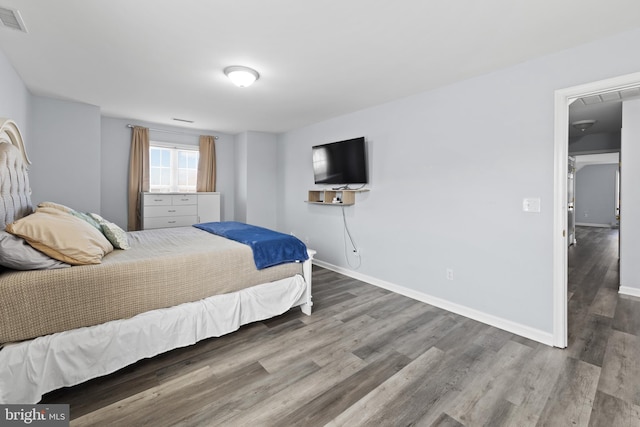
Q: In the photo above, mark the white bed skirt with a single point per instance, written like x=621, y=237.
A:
x=32, y=368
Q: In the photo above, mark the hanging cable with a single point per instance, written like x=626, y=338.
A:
x=355, y=251
x=346, y=187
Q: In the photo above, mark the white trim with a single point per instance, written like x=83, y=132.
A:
x=626, y=290
x=563, y=98
x=560, y=226
x=186, y=147
x=498, y=322
x=588, y=224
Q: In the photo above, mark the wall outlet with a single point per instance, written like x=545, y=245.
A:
x=449, y=274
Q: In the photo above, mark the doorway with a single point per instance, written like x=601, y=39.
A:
x=596, y=185
x=564, y=98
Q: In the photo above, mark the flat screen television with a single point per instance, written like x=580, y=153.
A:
x=342, y=162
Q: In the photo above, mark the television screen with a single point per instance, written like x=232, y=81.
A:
x=342, y=162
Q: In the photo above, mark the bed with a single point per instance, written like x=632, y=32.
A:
x=170, y=288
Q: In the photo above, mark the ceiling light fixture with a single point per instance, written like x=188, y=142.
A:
x=241, y=76
x=583, y=125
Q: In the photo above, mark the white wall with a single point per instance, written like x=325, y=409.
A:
x=65, y=152
x=630, y=198
x=595, y=194
x=15, y=102
x=115, y=146
x=449, y=170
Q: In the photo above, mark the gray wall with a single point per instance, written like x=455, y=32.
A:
x=114, y=163
x=81, y=159
x=595, y=194
x=449, y=169
x=66, y=153
x=630, y=197
x=595, y=143
x=262, y=178
x=241, y=164
x=256, y=178
x=15, y=102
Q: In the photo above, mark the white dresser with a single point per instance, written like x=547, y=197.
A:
x=162, y=210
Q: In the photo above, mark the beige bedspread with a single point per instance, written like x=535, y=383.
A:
x=163, y=268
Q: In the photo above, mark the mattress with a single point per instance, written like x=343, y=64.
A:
x=28, y=369
x=163, y=268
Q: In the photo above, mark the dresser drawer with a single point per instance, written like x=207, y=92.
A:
x=164, y=210
x=157, y=199
x=184, y=199
x=167, y=221
x=157, y=211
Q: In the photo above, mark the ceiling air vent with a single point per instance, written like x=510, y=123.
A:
x=11, y=19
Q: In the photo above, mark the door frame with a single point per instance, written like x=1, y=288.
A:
x=564, y=98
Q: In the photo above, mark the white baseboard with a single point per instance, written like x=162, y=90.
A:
x=498, y=322
x=626, y=290
x=588, y=224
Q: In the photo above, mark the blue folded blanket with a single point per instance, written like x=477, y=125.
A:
x=269, y=247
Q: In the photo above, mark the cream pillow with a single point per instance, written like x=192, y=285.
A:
x=62, y=236
x=67, y=209
x=63, y=208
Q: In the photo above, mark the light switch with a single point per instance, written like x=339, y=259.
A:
x=531, y=204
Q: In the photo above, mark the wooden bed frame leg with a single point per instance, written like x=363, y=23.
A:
x=306, y=272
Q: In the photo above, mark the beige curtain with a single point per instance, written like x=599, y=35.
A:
x=138, y=175
x=207, y=164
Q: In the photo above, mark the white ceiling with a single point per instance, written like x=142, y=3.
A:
x=155, y=60
x=596, y=159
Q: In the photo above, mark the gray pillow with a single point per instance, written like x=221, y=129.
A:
x=17, y=254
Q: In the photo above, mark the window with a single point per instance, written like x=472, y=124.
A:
x=172, y=169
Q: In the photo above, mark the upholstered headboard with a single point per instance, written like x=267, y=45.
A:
x=15, y=191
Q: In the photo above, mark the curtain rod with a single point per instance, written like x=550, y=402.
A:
x=170, y=131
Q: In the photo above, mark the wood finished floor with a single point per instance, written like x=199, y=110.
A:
x=368, y=357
